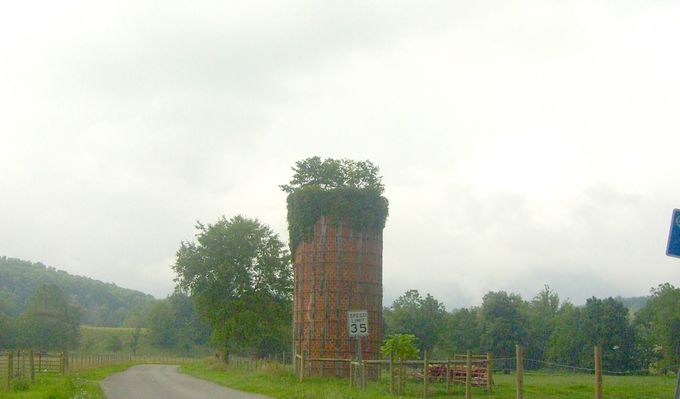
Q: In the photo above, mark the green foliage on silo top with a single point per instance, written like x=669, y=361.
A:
x=341, y=190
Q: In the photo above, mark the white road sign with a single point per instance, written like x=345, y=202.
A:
x=357, y=321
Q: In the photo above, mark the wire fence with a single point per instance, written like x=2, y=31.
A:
x=485, y=376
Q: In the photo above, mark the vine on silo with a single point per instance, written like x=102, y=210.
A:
x=341, y=190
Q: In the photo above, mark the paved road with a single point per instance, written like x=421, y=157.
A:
x=164, y=382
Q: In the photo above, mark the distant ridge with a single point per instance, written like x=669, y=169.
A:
x=633, y=304
x=103, y=304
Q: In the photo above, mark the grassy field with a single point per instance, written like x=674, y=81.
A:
x=280, y=382
x=80, y=385
x=94, y=340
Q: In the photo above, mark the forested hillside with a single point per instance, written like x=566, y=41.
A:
x=102, y=304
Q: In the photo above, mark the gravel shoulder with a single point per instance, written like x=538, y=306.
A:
x=153, y=381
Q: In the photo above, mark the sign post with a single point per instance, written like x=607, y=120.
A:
x=357, y=324
x=673, y=248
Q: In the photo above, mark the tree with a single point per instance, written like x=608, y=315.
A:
x=238, y=273
x=134, y=340
x=658, y=322
x=462, y=331
x=50, y=322
x=606, y=324
x=114, y=344
x=400, y=347
x=331, y=174
x=542, y=312
x=503, y=323
x=6, y=330
x=422, y=317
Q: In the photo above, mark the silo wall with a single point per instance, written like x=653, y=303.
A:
x=337, y=270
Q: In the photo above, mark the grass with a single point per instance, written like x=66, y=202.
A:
x=77, y=385
x=279, y=382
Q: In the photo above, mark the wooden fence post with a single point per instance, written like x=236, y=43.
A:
x=598, y=372
x=489, y=371
x=302, y=366
x=391, y=375
x=401, y=376
x=448, y=375
x=10, y=356
x=468, y=375
x=519, y=355
x=31, y=365
x=426, y=374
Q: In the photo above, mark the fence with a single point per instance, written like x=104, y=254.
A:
x=27, y=365
x=515, y=375
x=467, y=370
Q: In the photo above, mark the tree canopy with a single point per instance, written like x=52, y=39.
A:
x=50, y=322
x=342, y=190
x=238, y=273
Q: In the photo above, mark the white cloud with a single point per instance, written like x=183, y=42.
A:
x=522, y=143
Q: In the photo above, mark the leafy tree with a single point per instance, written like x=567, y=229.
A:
x=422, y=317
x=462, y=331
x=601, y=322
x=330, y=174
x=50, y=322
x=503, y=323
x=342, y=190
x=238, y=274
x=542, y=312
x=134, y=340
x=114, y=344
x=658, y=324
x=606, y=324
x=6, y=330
x=400, y=346
x=567, y=341
x=174, y=323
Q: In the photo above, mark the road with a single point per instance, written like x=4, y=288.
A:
x=165, y=382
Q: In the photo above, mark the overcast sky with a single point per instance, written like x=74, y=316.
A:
x=522, y=143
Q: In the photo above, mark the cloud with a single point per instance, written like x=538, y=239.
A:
x=521, y=143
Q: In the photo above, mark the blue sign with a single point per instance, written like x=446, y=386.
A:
x=673, y=248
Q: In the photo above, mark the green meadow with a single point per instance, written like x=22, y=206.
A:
x=280, y=382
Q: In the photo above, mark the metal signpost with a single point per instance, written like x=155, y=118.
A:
x=357, y=322
x=673, y=249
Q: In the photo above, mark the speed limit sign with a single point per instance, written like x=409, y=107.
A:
x=357, y=321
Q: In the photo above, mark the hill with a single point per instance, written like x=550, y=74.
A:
x=633, y=304
x=103, y=304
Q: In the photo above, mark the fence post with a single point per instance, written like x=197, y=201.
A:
x=61, y=363
x=10, y=356
x=448, y=375
x=519, y=355
x=468, y=375
x=302, y=366
x=489, y=371
x=32, y=365
x=598, y=372
x=426, y=374
x=677, y=386
x=401, y=376
x=391, y=375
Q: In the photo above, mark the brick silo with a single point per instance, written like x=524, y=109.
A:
x=338, y=269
